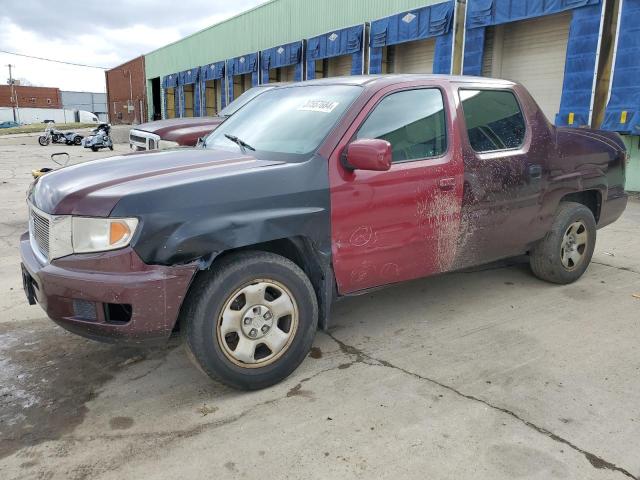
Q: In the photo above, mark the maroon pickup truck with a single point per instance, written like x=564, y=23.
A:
x=186, y=132
x=312, y=192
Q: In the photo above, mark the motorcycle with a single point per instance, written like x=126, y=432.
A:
x=58, y=136
x=99, y=139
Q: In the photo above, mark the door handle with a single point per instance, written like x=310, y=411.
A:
x=447, y=183
x=535, y=172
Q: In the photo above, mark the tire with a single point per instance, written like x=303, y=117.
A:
x=42, y=140
x=94, y=149
x=77, y=140
x=214, y=298
x=564, y=254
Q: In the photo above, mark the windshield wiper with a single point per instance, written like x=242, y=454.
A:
x=242, y=144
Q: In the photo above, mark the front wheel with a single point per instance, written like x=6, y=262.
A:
x=251, y=320
x=43, y=140
x=564, y=254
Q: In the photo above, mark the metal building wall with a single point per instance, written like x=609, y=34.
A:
x=268, y=25
x=93, y=102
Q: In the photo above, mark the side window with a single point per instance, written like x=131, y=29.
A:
x=494, y=120
x=412, y=121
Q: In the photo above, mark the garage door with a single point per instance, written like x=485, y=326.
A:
x=532, y=52
x=283, y=74
x=414, y=57
x=339, y=66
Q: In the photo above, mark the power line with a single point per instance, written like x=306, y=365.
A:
x=54, y=61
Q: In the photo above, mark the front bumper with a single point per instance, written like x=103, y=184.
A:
x=140, y=140
x=78, y=292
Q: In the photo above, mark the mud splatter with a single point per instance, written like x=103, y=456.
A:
x=438, y=215
x=315, y=353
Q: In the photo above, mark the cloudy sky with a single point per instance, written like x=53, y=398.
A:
x=96, y=33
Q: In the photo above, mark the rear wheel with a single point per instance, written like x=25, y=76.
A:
x=251, y=321
x=564, y=254
x=77, y=140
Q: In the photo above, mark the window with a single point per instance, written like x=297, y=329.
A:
x=494, y=120
x=413, y=122
x=283, y=121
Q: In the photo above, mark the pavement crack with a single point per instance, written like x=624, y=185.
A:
x=594, y=460
x=624, y=269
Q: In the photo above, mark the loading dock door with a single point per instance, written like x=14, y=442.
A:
x=188, y=100
x=283, y=74
x=414, y=57
x=170, y=94
x=531, y=52
x=339, y=66
x=213, y=97
x=241, y=83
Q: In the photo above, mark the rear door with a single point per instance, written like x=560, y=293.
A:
x=400, y=224
x=504, y=174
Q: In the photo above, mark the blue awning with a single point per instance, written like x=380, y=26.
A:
x=582, y=47
x=623, y=110
x=212, y=71
x=483, y=13
x=347, y=41
x=188, y=76
x=170, y=81
x=427, y=22
x=242, y=65
x=282, y=56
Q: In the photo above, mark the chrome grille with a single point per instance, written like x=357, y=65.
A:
x=137, y=138
x=40, y=229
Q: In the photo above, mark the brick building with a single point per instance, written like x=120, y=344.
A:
x=31, y=97
x=126, y=92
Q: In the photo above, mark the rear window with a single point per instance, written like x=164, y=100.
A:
x=494, y=120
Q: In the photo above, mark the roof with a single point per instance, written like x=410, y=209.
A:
x=394, y=78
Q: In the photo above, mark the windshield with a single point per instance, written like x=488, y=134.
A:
x=287, y=120
x=242, y=100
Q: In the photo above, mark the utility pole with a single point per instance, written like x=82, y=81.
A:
x=14, y=99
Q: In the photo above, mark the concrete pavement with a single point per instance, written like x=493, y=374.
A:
x=485, y=374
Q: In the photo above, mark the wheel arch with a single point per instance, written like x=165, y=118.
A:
x=301, y=251
x=592, y=199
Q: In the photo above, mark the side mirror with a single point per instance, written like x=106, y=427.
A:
x=368, y=154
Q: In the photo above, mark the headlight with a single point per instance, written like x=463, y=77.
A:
x=165, y=144
x=101, y=234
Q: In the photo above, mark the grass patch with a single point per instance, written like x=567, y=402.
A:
x=39, y=127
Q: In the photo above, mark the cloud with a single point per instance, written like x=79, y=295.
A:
x=97, y=33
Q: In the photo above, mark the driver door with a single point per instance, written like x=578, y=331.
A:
x=403, y=223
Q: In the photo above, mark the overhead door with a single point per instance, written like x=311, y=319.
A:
x=170, y=102
x=339, y=66
x=283, y=74
x=532, y=52
x=188, y=100
x=414, y=57
x=213, y=97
